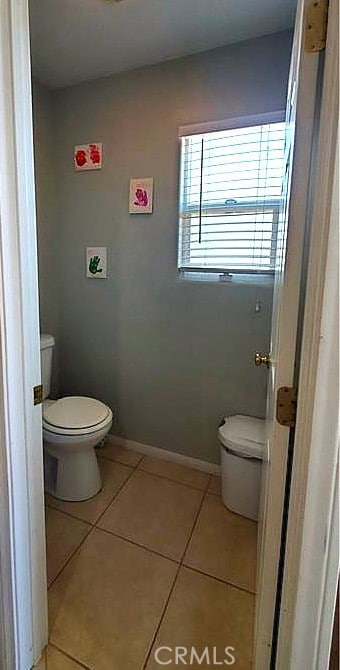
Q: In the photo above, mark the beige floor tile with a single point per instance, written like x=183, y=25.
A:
x=118, y=453
x=214, y=485
x=105, y=605
x=224, y=545
x=54, y=659
x=63, y=535
x=154, y=512
x=113, y=476
x=203, y=612
x=176, y=472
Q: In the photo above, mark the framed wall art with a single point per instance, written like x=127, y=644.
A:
x=87, y=156
x=96, y=262
x=141, y=196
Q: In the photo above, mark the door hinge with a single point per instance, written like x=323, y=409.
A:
x=38, y=394
x=286, y=403
x=316, y=26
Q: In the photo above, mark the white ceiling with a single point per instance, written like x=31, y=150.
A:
x=77, y=40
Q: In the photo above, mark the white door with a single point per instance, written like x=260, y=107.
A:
x=23, y=596
x=301, y=105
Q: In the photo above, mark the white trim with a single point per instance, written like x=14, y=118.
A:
x=301, y=106
x=7, y=596
x=313, y=565
x=23, y=606
x=163, y=454
x=305, y=627
x=230, y=124
x=331, y=581
x=27, y=251
x=15, y=571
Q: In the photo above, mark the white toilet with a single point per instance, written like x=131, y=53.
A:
x=72, y=427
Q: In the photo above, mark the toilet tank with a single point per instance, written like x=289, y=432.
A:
x=47, y=343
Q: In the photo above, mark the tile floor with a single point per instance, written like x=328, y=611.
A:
x=153, y=560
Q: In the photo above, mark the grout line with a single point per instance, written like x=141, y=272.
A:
x=137, y=544
x=141, y=460
x=139, y=468
x=208, y=484
x=72, y=658
x=207, y=489
x=175, y=481
x=213, y=493
x=92, y=526
x=70, y=557
x=115, y=460
x=206, y=574
x=194, y=524
x=108, y=458
x=114, y=496
x=219, y=579
x=180, y=562
x=161, y=619
x=61, y=511
x=175, y=580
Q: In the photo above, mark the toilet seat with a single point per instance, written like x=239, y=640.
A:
x=75, y=415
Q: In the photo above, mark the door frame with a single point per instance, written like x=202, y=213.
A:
x=311, y=565
x=23, y=610
x=303, y=99
x=311, y=568
x=23, y=591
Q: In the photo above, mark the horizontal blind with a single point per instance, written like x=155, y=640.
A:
x=230, y=196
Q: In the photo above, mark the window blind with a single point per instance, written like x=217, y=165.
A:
x=230, y=196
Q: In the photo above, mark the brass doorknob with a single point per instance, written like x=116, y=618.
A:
x=261, y=359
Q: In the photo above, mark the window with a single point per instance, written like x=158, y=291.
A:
x=230, y=195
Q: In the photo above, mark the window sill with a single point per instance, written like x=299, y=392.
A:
x=216, y=279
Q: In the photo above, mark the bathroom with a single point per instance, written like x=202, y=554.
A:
x=169, y=352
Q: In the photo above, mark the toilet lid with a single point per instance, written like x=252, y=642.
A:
x=244, y=435
x=75, y=413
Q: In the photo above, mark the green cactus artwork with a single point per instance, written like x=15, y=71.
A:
x=93, y=265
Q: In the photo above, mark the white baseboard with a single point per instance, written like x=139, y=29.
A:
x=165, y=455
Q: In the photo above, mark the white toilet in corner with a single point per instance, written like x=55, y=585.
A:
x=72, y=427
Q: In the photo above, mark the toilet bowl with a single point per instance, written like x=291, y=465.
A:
x=72, y=428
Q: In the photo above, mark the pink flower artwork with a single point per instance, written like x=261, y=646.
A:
x=88, y=156
x=141, y=194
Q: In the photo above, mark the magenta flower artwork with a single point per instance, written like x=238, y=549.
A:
x=141, y=195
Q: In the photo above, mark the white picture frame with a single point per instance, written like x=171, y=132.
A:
x=141, y=196
x=88, y=156
x=96, y=262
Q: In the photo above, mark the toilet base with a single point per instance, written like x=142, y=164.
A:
x=73, y=477
x=71, y=469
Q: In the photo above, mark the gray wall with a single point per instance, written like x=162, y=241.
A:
x=47, y=215
x=171, y=358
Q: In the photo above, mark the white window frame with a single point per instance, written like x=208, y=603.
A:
x=274, y=204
